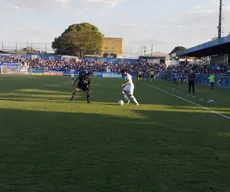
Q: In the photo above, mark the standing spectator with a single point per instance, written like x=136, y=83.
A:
x=191, y=81
x=182, y=77
x=212, y=80
x=175, y=77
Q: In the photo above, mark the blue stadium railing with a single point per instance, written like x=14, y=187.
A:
x=221, y=80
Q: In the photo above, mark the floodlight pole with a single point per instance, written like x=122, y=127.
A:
x=220, y=20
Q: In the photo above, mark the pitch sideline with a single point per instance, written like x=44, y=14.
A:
x=191, y=102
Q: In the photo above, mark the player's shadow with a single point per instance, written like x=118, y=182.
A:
x=80, y=151
x=42, y=97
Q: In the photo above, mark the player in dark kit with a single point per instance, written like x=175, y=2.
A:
x=83, y=83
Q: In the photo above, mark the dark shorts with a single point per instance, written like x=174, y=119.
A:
x=152, y=76
x=140, y=76
x=84, y=88
x=212, y=83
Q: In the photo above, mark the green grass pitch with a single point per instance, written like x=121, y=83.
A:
x=164, y=145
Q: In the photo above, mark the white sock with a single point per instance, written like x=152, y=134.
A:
x=125, y=96
x=134, y=99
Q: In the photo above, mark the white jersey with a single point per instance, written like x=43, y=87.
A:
x=72, y=71
x=129, y=88
x=129, y=78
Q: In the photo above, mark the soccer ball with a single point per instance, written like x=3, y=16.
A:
x=121, y=102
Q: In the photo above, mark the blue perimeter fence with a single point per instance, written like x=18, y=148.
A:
x=221, y=80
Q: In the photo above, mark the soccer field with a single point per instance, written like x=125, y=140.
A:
x=172, y=142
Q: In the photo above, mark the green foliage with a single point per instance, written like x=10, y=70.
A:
x=79, y=40
x=176, y=49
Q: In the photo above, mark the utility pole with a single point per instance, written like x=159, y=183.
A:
x=220, y=20
x=152, y=50
x=130, y=52
x=144, y=48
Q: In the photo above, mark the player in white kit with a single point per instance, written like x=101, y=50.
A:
x=128, y=87
x=72, y=74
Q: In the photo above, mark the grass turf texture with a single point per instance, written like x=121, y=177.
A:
x=165, y=144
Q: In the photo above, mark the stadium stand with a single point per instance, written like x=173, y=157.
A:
x=217, y=51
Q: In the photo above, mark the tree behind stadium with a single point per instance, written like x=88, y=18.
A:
x=79, y=40
x=176, y=49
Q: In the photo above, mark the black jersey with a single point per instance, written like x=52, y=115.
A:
x=81, y=78
x=86, y=81
x=191, y=77
x=83, y=81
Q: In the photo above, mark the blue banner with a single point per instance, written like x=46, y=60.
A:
x=36, y=71
x=9, y=64
x=97, y=74
x=13, y=68
x=111, y=75
x=68, y=72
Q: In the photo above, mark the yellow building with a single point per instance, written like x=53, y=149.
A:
x=112, y=47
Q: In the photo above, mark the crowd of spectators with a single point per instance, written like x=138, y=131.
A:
x=201, y=69
x=87, y=65
x=145, y=67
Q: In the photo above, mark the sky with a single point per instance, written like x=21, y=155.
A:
x=161, y=23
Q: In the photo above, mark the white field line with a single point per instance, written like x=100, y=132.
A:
x=191, y=102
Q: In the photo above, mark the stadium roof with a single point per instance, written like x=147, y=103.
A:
x=215, y=47
x=3, y=51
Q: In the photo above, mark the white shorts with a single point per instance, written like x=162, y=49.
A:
x=72, y=76
x=129, y=89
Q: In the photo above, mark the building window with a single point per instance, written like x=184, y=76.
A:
x=112, y=49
